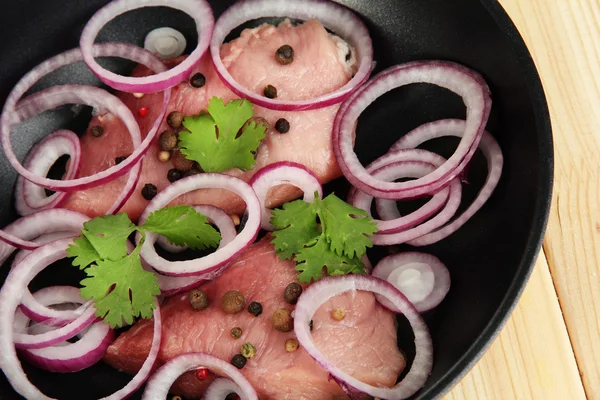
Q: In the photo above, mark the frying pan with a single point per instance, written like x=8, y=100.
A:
x=490, y=258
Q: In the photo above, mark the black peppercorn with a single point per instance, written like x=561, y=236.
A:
x=173, y=175
x=168, y=140
x=255, y=308
x=198, y=299
x=284, y=55
x=238, y=361
x=282, y=125
x=174, y=119
x=97, y=131
x=292, y=292
x=198, y=80
x=120, y=159
x=149, y=191
x=270, y=91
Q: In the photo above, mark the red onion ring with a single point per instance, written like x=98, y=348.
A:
x=208, y=266
x=318, y=293
x=35, y=307
x=199, y=10
x=404, y=169
x=492, y=152
x=220, y=388
x=159, y=384
x=42, y=239
x=35, y=225
x=280, y=173
x=435, y=275
x=29, y=197
x=65, y=356
x=82, y=94
x=454, y=77
x=339, y=19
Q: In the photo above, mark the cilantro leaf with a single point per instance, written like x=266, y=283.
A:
x=346, y=227
x=108, y=235
x=121, y=289
x=212, y=139
x=83, y=252
x=312, y=260
x=297, y=226
x=182, y=225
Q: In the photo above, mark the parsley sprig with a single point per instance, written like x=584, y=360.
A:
x=326, y=233
x=213, y=141
x=116, y=281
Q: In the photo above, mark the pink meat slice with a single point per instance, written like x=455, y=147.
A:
x=363, y=343
x=319, y=67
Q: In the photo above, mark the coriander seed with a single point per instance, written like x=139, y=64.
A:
x=338, y=314
x=291, y=345
x=164, y=156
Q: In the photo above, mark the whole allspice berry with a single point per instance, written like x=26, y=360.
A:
x=168, y=140
x=282, y=320
x=198, y=299
x=292, y=292
x=233, y=302
x=175, y=119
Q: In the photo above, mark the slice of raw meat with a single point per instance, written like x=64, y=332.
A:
x=363, y=343
x=319, y=67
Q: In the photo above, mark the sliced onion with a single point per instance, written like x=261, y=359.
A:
x=318, y=293
x=335, y=17
x=421, y=277
x=220, y=388
x=159, y=384
x=77, y=94
x=281, y=173
x=10, y=297
x=166, y=42
x=463, y=81
x=29, y=197
x=211, y=265
x=199, y=10
x=35, y=225
x=492, y=152
x=404, y=169
x=36, y=307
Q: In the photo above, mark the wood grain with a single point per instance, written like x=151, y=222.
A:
x=564, y=39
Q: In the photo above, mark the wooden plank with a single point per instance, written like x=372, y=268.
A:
x=564, y=38
x=532, y=357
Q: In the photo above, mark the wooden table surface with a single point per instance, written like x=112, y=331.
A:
x=550, y=348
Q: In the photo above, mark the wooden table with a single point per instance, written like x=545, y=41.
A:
x=550, y=348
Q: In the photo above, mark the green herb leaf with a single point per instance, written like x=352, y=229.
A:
x=108, y=235
x=121, y=289
x=183, y=225
x=298, y=227
x=83, y=252
x=211, y=139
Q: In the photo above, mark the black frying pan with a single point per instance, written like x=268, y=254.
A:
x=490, y=258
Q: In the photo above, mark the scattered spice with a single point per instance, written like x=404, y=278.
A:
x=238, y=361
x=310, y=325
x=164, y=156
x=149, y=191
x=198, y=80
x=236, y=332
x=292, y=292
x=174, y=119
x=202, y=374
x=270, y=91
x=120, y=159
x=284, y=55
x=338, y=314
x=232, y=396
x=198, y=299
x=173, y=175
x=236, y=219
x=282, y=125
x=143, y=111
x=233, y=302
x=138, y=95
x=282, y=320
x=291, y=345
x=168, y=140
x=97, y=131
x=180, y=162
x=248, y=350
x=255, y=308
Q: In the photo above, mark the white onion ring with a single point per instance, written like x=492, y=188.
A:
x=454, y=77
x=211, y=265
x=280, y=173
x=401, y=261
x=220, y=388
x=30, y=198
x=159, y=384
x=199, y=10
x=79, y=94
x=318, y=293
x=492, y=152
x=339, y=19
